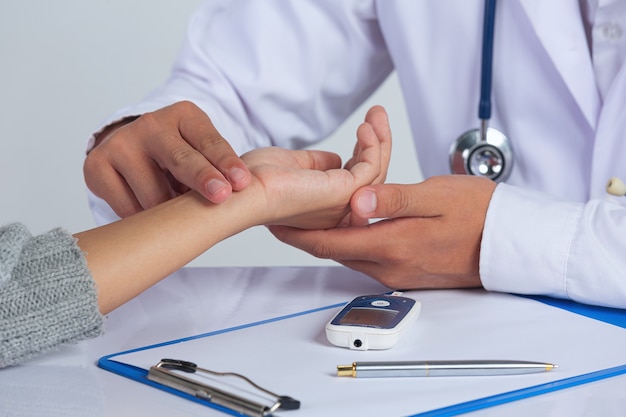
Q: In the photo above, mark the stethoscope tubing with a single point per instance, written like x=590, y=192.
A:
x=484, y=152
x=489, y=144
x=489, y=23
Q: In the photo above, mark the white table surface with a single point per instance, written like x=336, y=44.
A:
x=198, y=300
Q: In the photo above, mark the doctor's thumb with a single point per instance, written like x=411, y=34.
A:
x=381, y=201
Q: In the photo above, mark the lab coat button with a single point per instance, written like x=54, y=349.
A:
x=612, y=31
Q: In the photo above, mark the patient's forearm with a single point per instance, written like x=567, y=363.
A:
x=128, y=256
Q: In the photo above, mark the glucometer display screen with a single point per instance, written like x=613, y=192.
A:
x=364, y=316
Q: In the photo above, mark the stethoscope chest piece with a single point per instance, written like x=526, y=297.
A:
x=490, y=157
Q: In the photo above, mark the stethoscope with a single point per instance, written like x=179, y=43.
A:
x=487, y=152
x=484, y=152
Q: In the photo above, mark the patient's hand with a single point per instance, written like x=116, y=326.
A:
x=309, y=189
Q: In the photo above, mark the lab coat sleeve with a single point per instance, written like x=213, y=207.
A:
x=534, y=244
x=274, y=72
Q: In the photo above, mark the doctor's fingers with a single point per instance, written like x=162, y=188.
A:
x=122, y=171
x=152, y=157
x=184, y=142
x=433, y=197
x=387, y=241
x=112, y=187
x=399, y=253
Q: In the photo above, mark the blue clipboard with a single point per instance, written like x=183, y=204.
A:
x=612, y=316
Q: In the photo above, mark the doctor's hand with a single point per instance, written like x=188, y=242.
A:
x=429, y=237
x=309, y=189
x=138, y=163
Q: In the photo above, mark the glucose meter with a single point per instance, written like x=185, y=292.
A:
x=372, y=321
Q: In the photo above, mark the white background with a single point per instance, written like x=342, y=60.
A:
x=67, y=64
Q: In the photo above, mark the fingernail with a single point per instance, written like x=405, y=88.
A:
x=215, y=186
x=367, y=202
x=237, y=174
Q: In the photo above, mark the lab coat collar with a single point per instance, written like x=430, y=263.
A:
x=558, y=25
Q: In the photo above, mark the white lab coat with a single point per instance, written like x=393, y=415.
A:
x=288, y=73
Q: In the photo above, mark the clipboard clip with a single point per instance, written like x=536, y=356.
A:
x=164, y=373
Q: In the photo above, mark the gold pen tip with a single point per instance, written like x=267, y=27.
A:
x=345, y=370
x=551, y=366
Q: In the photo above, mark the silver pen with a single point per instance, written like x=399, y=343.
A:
x=441, y=368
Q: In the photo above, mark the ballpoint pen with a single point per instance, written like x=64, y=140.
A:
x=441, y=368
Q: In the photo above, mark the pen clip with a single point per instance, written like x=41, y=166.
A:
x=163, y=373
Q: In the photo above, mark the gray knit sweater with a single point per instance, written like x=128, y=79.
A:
x=47, y=295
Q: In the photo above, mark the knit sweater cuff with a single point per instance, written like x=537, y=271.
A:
x=50, y=299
